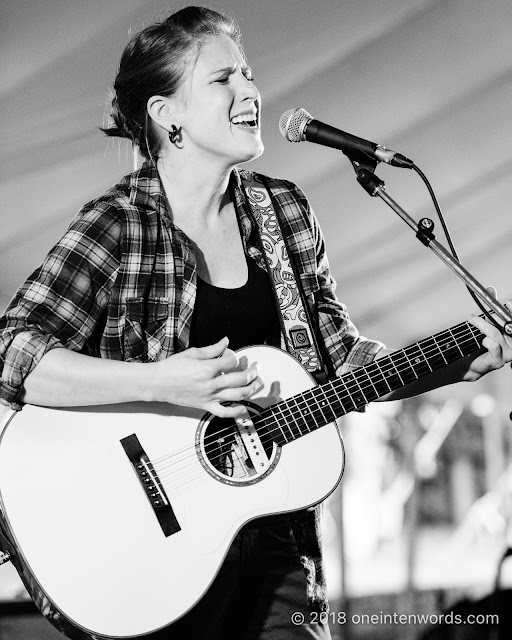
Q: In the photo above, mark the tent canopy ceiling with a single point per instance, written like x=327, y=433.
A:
x=431, y=78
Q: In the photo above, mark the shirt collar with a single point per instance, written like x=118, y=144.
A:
x=146, y=191
x=248, y=225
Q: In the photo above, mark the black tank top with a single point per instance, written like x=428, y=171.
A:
x=247, y=314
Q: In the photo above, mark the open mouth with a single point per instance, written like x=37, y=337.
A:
x=246, y=120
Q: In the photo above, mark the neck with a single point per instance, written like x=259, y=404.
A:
x=318, y=406
x=199, y=193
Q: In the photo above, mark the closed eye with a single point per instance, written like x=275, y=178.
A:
x=224, y=74
x=224, y=78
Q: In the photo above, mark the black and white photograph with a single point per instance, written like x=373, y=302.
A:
x=255, y=320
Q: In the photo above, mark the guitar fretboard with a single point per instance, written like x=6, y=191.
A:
x=321, y=405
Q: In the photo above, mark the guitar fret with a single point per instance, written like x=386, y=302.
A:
x=270, y=426
x=371, y=392
x=336, y=404
x=291, y=423
x=381, y=386
x=346, y=402
x=393, y=379
x=282, y=423
x=293, y=419
x=425, y=359
x=418, y=361
x=449, y=348
x=474, y=333
x=456, y=343
x=408, y=372
x=398, y=372
x=314, y=408
x=471, y=343
x=303, y=413
x=280, y=441
x=311, y=418
x=321, y=405
x=436, y=357
x=358, y=396
x=325, y=406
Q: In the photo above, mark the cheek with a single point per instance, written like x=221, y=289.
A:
x=215, y=131
x=212, y=120
x=204, y=129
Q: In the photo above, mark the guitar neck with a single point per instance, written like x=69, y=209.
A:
x=321, y=405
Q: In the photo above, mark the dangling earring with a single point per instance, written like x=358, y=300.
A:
x=174, y=134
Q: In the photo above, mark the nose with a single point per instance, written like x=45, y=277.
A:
x=248, y=89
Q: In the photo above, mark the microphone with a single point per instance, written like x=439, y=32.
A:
x=297, y=125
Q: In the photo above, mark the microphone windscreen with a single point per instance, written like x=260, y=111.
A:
x=292, y=124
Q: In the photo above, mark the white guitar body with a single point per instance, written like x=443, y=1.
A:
x=79, y=521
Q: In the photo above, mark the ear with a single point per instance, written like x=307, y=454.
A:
x=160, y=110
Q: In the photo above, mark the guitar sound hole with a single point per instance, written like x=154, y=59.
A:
x=227, y=452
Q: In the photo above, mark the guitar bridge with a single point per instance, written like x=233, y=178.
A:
x=151, y=484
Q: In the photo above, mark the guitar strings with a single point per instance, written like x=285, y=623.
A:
x=276, y=419
x=355, y=384
x=345, y=393
x=349, y=387
x=183, y=482
x=189, y=453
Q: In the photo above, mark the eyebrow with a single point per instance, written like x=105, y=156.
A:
x=224, y=70
x=232, y=69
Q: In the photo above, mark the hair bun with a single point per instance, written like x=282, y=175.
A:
x=120, y=126
x=153, y=64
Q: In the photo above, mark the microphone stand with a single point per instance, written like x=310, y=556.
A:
x=374, y=186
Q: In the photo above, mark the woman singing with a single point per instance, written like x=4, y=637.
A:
x=161, y=279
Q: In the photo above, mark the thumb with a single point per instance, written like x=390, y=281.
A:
x=213, y=350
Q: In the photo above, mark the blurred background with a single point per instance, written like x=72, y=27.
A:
x=422, y=516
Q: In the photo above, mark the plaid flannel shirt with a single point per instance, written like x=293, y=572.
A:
x=121, y=284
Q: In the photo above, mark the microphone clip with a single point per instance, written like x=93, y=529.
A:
x=366, y=177
x=361, y=162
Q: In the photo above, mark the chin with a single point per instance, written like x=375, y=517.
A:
x=256, y=153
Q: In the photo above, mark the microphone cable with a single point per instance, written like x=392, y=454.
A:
x=446, y=231
x=294, y=125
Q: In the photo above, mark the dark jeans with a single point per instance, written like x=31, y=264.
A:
x=259, y=586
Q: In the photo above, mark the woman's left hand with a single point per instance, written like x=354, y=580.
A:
x=498, y=345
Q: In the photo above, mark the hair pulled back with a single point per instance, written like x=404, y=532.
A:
x=153, y=63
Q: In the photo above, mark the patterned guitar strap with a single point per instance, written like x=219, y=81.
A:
x=296, y=328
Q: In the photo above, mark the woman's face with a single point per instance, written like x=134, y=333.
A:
x=218, y=106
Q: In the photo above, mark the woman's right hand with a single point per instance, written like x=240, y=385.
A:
x=204, y=378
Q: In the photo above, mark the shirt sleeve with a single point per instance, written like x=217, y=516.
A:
x=345, y=346
x=348, y=349
x=61, y=303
